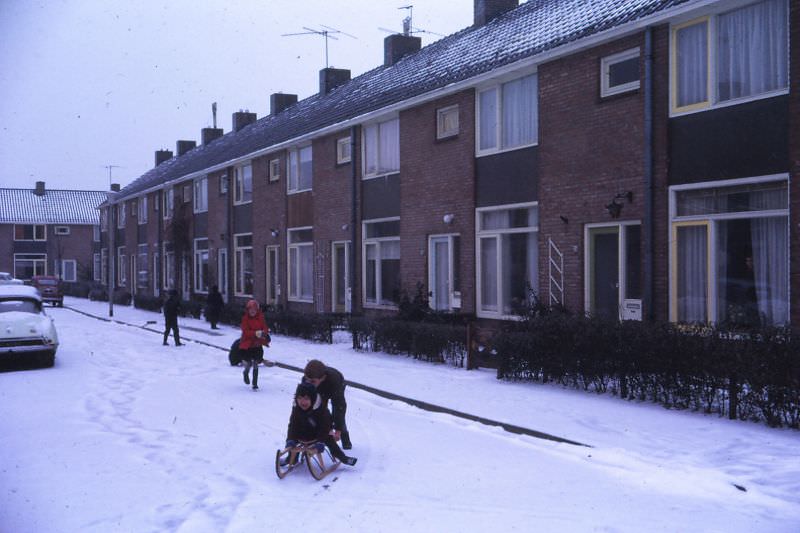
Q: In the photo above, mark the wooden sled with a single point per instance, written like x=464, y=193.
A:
x=319, y=464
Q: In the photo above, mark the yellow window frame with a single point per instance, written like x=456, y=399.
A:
x=673, y=66
x=673, y=275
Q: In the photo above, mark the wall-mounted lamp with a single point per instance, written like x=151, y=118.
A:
x=615, y=207
x=448, y=218
x=345, y=227
x=564, y=219
x=273, y=232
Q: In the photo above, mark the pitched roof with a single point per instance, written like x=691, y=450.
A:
x=22, y=206
x=534, y=27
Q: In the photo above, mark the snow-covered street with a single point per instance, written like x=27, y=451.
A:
x=125, y=434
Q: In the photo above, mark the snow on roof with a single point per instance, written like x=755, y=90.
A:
x=23, y=206
x=533, y=28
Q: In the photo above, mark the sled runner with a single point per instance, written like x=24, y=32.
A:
x=319, y=464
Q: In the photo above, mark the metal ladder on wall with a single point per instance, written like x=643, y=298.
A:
x=555, y=273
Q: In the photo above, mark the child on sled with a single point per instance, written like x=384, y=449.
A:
x=311, y=421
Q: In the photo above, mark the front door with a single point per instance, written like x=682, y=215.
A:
x=341, y=277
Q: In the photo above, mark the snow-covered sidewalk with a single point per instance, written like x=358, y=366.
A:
x=648, y=468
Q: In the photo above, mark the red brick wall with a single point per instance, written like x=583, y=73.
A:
x=590, y=149
x=7, y=248
x=437, y=177
x=269, y=211
x=794, y=155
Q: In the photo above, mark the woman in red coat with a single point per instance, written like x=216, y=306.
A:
x=255, y=335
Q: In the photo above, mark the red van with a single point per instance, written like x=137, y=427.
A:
x=50, y=288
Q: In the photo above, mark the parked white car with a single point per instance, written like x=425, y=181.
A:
x=27, y=334
x=8, y=279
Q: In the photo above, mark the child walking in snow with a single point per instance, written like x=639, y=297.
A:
x=255, y=335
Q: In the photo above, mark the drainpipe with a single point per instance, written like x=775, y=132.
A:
x=648, y=175
x=353, y=217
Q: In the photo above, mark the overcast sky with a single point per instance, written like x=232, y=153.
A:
x=89, y=83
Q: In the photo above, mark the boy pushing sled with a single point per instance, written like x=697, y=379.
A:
x=309, y=433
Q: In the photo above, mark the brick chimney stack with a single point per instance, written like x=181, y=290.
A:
x=241, y=119
x=163, y=155
x=398, y=45
x=280, y=101
x=330, y=78
x=208, y=135
x=486, y=10
x=39, y=190
x=181, y=147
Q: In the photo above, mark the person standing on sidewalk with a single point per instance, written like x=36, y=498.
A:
x=171, y=309
x=214, y=306
x=255, y=335
x=330, y=385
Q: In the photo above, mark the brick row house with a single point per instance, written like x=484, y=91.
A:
x=624, y=158
x=50, y=232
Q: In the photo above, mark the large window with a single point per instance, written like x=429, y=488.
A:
x=28, y=265
x=169, y=266
x=301, y=264
x=507, y=259
x=168, y=201
x=30, y=232
x=201, y=265
x=300, y=169
x=66, y=269
x=201, y=195
x=243, y=264
x=381, y=264
x=142, y=263
x=243, y=184
x=382, y=148
x=739, y=54
x=508, y=115
x=730, y=253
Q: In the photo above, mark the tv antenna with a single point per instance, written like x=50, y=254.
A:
x=109, y=167
x=408, y=27
x=327, y=32
x=214, y=113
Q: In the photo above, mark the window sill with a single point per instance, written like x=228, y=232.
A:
x=504, y=150
x=728, y=103
x=375, y=176
x=385, y=307
x=300, y=301
x=299, y=191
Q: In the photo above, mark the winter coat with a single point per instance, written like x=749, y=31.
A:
x=214, y=305
x=171, y=308
x=251, y=324
x=314, y=424
x=332, y=388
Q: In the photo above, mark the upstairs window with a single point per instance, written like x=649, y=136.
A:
x=343, y=151
x=243, y=184
x=619, y=73
x=142, y=210
x=30, y=232
x=743, y=53
x=508, y=115
x=121, y=215
x=447, y=122
x=382, y=148
x=168, y=201
x=61, y=230
x=274, y=169
x=300, y=169
x=201, y=195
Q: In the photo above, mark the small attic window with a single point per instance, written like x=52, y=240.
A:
x=447, y=122
x=61, y=230
x=619, y=73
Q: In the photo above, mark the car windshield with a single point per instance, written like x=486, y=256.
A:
x=17, y=304
x=46, y=282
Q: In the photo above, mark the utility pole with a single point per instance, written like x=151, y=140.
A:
x=112, y=230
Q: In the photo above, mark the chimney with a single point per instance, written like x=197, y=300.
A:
x=486, y=10
x=181, y=147
x=242, y=119
x=210, y=134
x=115, y=187
x=39, y=190
x=163, y=155
x=279, y=101
x=398, y=45
x=330, y=78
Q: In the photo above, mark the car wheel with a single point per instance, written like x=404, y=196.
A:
x=48, y=359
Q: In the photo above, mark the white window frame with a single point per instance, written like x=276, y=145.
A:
x=62, y=266
x=61, y=230
x=96, y=233
x=274, y=169
x=380, y=302
x=168, y=201
x=294, y=267
x=168, y=258
x=454, y=296
x=380, y=172
x=242, y=174
x=201, y=257
x=223, y=183
x=156, y=274
x=497, y=234
x=222, y=272
x=121, y=215
x=142, y=262
x=712, y=98
x=141, y=207
x=200, y=204
x=38, y=232
x=272, y=273
x=238, y=254
x=104, y=266
x=186, y=192
x=343, y=150
x=294, y=170
x=39, y=264
x=497, y=87
x=122, y=267
x=622, y=279
x=442, y=115
x=97, y=267
x=605, y=68
x=710, y=221
x=348, y=290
